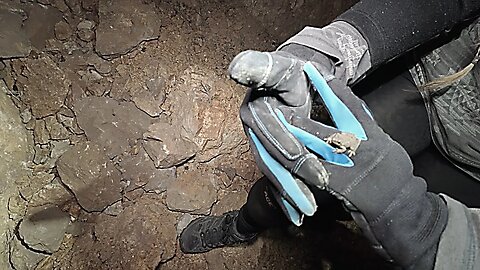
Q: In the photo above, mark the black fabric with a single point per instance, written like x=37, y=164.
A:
x=391, y=27
x=261, y=210
x=443, y=177
x=399, y=110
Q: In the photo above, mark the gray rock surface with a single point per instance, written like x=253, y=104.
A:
x=165, y=145
x=35, y=183
x=42, y=153
x=40, y=132
x=40, y=24
x=138, y=170
x=43, y=91
x=85, y=30
x=13, y=40
x=91, y=176
x=113, y=125
x=192, y=193
x=43, y=228
x=22, y=258
x=53, y=193
x=120, y=18
x=56, y=130
x=13, y=156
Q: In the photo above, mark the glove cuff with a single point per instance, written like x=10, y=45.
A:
x=339, y=41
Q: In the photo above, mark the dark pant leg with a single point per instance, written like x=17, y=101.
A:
x=261, y=210
x=398, y=108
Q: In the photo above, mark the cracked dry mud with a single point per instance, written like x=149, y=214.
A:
x=118, y=126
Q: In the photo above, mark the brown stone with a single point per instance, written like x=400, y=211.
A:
x=165, y=145
x=138, y=170
x=13, y=40
x=136, y=20
x=91, y=176
x=113, y=125
x=40, y=132
x=62, y=30
x=57, y=131
x=143, y=236
x=43, y=228
x=44, y=92
x=192, y=193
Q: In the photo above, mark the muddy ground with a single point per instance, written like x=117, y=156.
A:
x=118, y=125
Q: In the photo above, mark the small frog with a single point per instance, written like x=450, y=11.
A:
x=344, y=143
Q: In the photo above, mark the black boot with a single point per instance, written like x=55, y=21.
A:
x=206, y=233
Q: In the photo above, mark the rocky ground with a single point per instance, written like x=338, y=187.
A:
x=119, y=125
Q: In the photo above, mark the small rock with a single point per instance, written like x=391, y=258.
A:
x=57, y=131
x=43, y=228
x=191, y=193
x=101, y=65
x=86, y=35
x=40, y=132
x=183, y=222
x=62, y=31
x=91, y=176
x=17, y=207
x=26, y=116
x=59, y=147
x=65, y=111
x=53, y=193
x=166, y=147
x=35, y=183
x=60, y=5
x=30, y=125
x=86, y=25
x=134, y=194
x=42, y=153
x=151, y=99
x=164, y=178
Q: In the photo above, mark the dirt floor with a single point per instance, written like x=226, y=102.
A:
x=119, y=125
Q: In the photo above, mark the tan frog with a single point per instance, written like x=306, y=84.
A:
x=344, y=143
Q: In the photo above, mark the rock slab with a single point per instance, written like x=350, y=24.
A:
x=166, y=146
x=113, y=125
x=119, y=19
x=13, y=154
x=43, y=228
x=192, y=193
x=14, y=41
x=91, y=176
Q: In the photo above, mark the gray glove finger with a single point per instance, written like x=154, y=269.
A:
x=277, y=70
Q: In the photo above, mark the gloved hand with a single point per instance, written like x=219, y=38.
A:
x=278, y=82
x=377, y=185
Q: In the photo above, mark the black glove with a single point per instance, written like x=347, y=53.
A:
x=377, y=186
x=280, y=83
